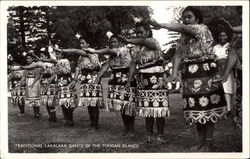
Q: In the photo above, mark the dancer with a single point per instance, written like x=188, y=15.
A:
x=32, y=78
x=119, y=99
x=152, y=96
x=204, y=101
x=18, y=91
x=90, y=94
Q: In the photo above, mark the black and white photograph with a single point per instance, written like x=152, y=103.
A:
x=149, y=79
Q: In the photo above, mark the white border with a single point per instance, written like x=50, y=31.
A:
x=3, y=84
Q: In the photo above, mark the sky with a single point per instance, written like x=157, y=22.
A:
x=163, y=15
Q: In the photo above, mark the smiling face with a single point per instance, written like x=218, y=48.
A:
x=223, y=38
x=189, y=18
x=141, y=32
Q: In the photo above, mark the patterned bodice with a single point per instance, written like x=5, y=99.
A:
x=63, y=66
x=17, y=74
x=48, y=68
x=144, y=56
x=200, y=46
x=90, y=62
x=123, y=59
x=32, y=73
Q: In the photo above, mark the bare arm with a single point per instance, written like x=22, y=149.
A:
x=236, y=29
x=49, y=60
x=132, y=69
x=105, y=51
x=104, y=69
x=76, y=51
x=177, y=27
x=52, y=78
x=139, y=41
x=10, y=76
x=33, y=65
x=23, y=78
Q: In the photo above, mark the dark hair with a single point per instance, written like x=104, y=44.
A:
x=45, y=53
x=29, y=54
x=224, y=30
x=114, y=36
x=146, y=26
x=196, y=13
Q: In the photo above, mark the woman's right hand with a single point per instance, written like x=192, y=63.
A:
x=172, y=78
x=96, y=81
x=57, y=49
x=72, y=84
x=90, y=50
x=155, y=24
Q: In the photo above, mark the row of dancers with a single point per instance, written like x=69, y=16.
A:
x=137, y=84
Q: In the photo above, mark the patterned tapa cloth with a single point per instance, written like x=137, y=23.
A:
x=203, y=100
x=17, y=93
x=120, y=99
x=33, y=94
x=49, y=95
x=90, y=94
x=66, y=95
x=152, y=91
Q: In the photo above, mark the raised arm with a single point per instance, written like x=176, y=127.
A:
x=76, y=51
x=33, y=65
x=139, y=41
x=236, y=29
x=104, y=69
x=177, y=27
x=132, y=69
x=105, y=51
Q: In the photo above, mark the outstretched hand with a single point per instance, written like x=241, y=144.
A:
x=155, y=25
x=172, y=78
x=222, y=79
x=57, y=49
x=90, y=50
x=224, y=21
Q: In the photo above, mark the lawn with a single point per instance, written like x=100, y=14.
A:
x=28, y=135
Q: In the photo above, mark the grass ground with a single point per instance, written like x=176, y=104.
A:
x=42, y=134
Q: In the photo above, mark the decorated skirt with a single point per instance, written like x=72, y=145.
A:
x=203, y=100
x=33, y=94
x=152, y=96
x=49, y=95
x=17, y=93
x=120, y=100
x=66, y=96
x=90, y=94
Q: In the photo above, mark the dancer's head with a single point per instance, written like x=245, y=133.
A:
x=191, y=15
x=143, y=30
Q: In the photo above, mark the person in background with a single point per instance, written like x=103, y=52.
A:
x=204, y=101
x=220, y=50
x=234, y=60
x=119, y=99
